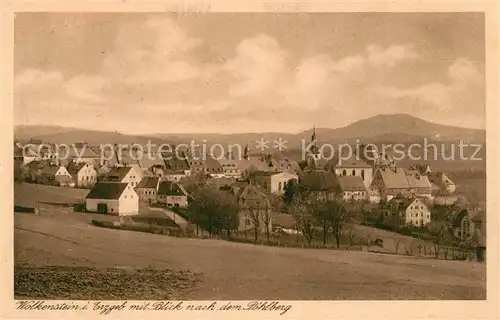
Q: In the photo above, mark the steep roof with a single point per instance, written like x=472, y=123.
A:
x=74, y=168
x=402, y=202
x=107, y=190
x=251, y=192
x=118, y=173
x=439, y=178
x=170, y=189
x=148, y=182
x=417, y=180
x=394, y=178
x=351, y=183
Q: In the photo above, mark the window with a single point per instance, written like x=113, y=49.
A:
x=353, y=172
x=363, y=174
x=344, y=172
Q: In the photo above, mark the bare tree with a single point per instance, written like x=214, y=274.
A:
x=254, y=212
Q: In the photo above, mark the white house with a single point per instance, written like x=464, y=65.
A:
x=273, y=182
x=83, y=173
x=113, y=198
x=124, y=175
x=407, y=211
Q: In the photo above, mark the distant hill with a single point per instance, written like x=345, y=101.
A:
x=63, y=135
x=394, y=128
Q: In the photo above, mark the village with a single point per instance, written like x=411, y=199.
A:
x=270, y=199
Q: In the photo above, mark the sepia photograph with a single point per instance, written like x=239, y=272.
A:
x=261, y=156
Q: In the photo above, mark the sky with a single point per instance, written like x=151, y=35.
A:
x=143, y=73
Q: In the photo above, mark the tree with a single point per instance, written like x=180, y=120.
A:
x=339, y=216
x=306, y=224
x=323, y=217
x=291, y=188
x=254, y=212
x=214, y=210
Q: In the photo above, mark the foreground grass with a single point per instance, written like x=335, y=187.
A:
x=85, y=283
x=237, y=271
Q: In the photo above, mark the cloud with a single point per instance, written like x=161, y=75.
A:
x=86, y=88
x=392, y=55
x=154, y=71
x=257, y=67
x=461, y=95
x=152, y=51
x=37, y=78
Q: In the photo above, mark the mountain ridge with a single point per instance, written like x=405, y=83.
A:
x=392, y=127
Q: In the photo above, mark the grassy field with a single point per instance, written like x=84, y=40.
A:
x=31, y=195
x=243, y=271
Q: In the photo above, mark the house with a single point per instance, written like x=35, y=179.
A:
x=45, y=172
x=419, y=184
x=351, y=165
x=82, y=153
x=280, y=163
x=113, y=198
x=174, y=175
x=391, y=181
x=124, y=175
x=83, y=173
x=352, y=188
x=249, y=165
x=172, y=194
x=403, y=211
x=148, y=188
x=230, y=168
x=273, y=182
x=443, y=184
x=255, y=207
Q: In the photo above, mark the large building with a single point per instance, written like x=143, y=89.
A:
x=405, y=211
x=113, y=198
x=273, y=182
x=392, y=181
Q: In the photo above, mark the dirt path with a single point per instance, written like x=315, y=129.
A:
x=243, y=271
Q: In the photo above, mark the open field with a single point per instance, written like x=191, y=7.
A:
x=243, y=271
x=31, y=195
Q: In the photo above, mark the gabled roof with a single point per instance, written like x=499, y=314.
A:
x=148, y=182
x=170, y=189
x=82, y=152
x=351, y=183
x=74, y=168
x=107, y=190
x=417, y=180
x=118, y=173
x=394, y=178
x=251, y=192
x=176, y=164
x=403, y=202
x=439, y=178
